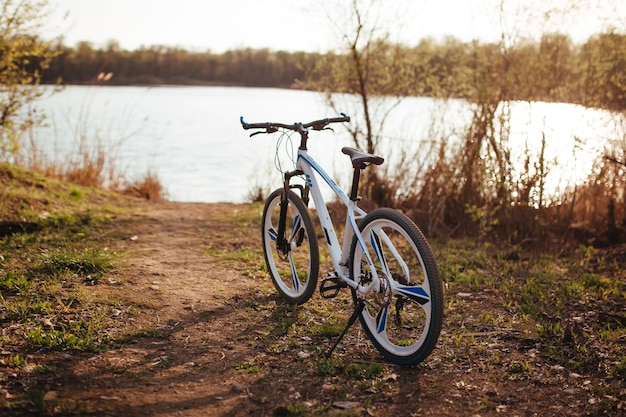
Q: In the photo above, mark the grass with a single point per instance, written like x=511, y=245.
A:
x=573, y=304
x=45, y=264
x=516, y=321
x=248, y=367
x=290, y=411
x=562, y=311
x=90, y=264
x=53, y=249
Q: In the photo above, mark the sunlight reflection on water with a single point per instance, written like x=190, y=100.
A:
x=191, y=136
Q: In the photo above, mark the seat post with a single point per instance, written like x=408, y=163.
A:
x=354, y=192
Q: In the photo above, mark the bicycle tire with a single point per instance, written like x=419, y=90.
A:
x=402, y=320
x=294, y=274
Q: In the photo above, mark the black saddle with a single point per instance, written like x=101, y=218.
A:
x=361, y=159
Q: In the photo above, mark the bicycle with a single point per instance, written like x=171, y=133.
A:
x=384, y=258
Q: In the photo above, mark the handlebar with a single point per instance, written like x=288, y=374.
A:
x=271, y=127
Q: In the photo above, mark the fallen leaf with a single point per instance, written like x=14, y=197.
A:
x=346, y=405
x=50, y=396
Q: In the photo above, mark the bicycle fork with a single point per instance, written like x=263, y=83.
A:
x=282, y=243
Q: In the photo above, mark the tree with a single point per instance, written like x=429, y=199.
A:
x=23, y=57
x=368, y=66
x=603, y=60
x=367, y=78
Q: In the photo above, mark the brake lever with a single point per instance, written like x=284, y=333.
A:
x=320, y=127
x=268, y=130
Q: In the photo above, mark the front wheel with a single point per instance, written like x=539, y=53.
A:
x=293, y=267
x=402, y=319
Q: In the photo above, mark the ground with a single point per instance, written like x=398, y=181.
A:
x=201, y=332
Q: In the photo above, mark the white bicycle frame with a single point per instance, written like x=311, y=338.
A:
x=339, y=254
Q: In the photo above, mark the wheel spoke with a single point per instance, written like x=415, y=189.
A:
x=406, y=273
x=294, y=273
x=295, y=228
x=381, y=320
x=417, y=294
x=378, y=250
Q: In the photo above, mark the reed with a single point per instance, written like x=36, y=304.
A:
x=94, y=161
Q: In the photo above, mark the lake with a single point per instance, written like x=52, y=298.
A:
x=192, y=139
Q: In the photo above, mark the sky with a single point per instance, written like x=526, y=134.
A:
x=316, y=25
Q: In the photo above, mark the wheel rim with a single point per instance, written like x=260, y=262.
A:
x=398, y=320
x=290, y=271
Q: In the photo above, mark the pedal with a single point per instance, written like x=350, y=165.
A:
x=331, y=286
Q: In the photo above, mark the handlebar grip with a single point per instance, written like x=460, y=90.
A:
x=344, y=118
x=247, y=125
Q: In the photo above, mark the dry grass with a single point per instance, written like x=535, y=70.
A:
x=149, y=188
x=94, y=164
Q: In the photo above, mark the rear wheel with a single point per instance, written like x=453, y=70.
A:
x=293, y=267
x=404, y=318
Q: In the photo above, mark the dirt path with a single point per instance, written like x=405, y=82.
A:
x=210, y=338
x=180, y=302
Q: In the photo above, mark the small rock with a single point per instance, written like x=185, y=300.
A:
x=109, y=398
x=346, y=405
x=571, y=391
x=239, y=388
